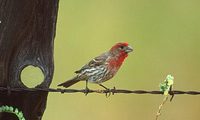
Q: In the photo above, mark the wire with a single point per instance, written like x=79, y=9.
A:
x=113, y=91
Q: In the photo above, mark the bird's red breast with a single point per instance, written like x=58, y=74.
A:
x=117, y=61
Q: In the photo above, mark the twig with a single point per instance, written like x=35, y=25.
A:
x=160, y=107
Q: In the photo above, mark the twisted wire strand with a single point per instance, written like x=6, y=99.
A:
x=113, y=91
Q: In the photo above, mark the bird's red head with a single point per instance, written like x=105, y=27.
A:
x=120, y=52
x=121, y=48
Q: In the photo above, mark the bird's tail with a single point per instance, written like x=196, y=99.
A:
x=70, y=82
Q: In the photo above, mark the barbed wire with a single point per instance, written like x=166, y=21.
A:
x=113, y=91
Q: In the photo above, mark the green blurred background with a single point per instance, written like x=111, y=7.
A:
x=165, y=35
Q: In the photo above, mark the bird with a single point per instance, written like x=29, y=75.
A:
x=101, y=68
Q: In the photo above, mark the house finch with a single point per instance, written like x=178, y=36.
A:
x=101, y=68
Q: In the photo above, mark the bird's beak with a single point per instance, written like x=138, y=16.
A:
x=128, y=49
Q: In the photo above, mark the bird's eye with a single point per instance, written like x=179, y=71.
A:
x=121, y=47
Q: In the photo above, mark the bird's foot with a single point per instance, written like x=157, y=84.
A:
x=108, y=92
x=86, y=91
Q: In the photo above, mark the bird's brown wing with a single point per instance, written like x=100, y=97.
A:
x=97, y=61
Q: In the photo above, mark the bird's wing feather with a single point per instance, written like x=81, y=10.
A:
x=97, y=61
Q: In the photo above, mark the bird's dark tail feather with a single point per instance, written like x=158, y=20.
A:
x=70, y=82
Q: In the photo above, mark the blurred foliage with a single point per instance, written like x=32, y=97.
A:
x=167, y=85
x=165, y=35
x=10, y=109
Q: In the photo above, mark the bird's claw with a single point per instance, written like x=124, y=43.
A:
x=109, y=91
x=86, y=91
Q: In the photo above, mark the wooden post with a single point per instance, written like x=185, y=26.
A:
x=27, y=31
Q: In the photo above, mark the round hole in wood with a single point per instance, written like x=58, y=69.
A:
x=32, y=76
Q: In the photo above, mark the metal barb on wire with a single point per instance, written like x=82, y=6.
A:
x=113, y=91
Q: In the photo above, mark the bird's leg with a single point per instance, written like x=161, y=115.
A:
x=108, y=93
x=104, y=87
x=86, y=88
